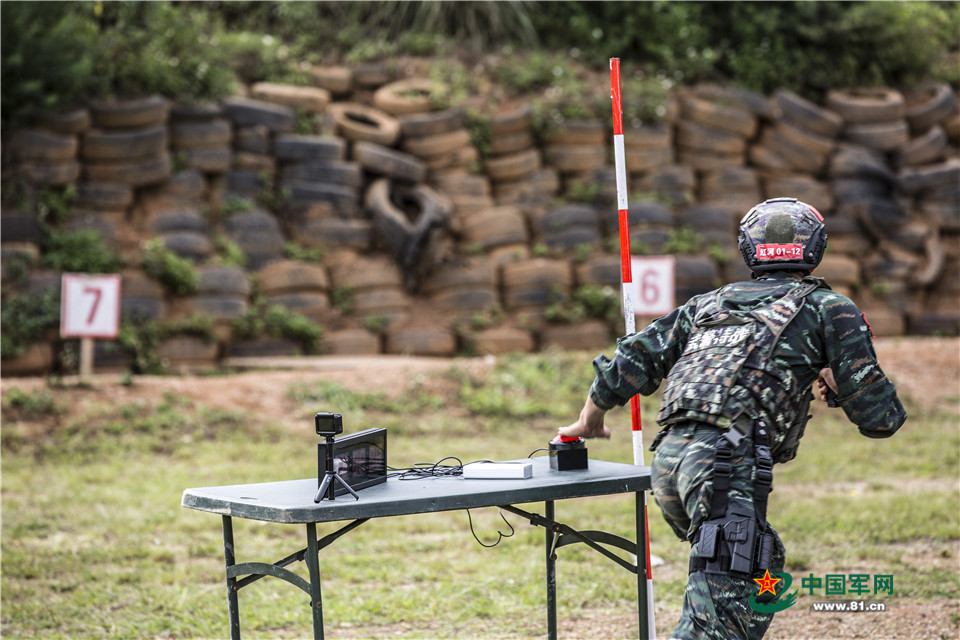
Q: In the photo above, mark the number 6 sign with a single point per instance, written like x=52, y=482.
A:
x=89, y=306
x=653, y=283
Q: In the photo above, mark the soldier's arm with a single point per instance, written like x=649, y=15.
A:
x=864, y=392
x=642, y=360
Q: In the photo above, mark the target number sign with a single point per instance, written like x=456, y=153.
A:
x=653, y=285
x=89, y=306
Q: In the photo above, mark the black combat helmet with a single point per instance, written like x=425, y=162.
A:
x=782, y=233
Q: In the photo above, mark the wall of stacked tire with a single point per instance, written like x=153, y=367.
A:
x=426, y=250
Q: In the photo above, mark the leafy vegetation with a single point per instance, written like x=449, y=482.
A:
x=586, y=301
x=58, y=54
x=275, y=320
x=142, y=339
x=26, y=318
x=173, y=272
x=81, y=252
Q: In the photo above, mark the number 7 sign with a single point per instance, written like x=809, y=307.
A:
x=89, y=306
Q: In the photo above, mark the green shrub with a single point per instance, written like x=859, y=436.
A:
x=148, y=48
x=258, y=57
x=49, y=58
x=38, y=404
x=279, y=322
x=26, y=318
x=80, y=252
x=142, y=339
x=586, y=301
x=228, y=252
x=682, y=240
x=173, y=272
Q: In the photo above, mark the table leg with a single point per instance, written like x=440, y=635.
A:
x=313, y=564
x=233, y=603
x=642, y=568
x=551, y=574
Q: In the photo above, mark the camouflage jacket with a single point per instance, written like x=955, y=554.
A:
x=828, y=330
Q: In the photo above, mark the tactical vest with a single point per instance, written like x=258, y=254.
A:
x=727, y=376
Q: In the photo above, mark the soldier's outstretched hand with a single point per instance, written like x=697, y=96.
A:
x=589, y=424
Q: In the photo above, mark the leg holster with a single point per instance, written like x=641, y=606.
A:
x=729, y=541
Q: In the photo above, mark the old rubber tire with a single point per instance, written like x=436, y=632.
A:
x=68, y=123
x=335, y=79
x=437, y=144
x=341, y=172
x=418, y=125
x=366, y=273
x=930, y=106
x=390, y=162
x=517, y=118
x=305, y=148
x=177, y=220
x=405, y=96
x=36, y=145
x=925, y=148
x=588, y=334
x=716, y=115
x=224, y=281
x=54, y=174
x=421, y=342
x=866, y=106
x=286, y=276
x=305, y=99
x=188, y=244
x=244, y=112
x=500, y=340
x=333, y=233
x=360, y=122
x=577, y=132
x=201, y=134
x=104, y=196
x=129, y=114
x=882, y=136
x=515, y=166
x=134, y=173
x=495, y=227
x=350, y=342
x=808, y=115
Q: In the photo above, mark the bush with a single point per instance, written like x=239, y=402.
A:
x=80, y=252
x=49, y=58
x=57, y=55
x=142, y=339
x=160, y=48
x=279, y=322
x=169, y=269
x=26, y=318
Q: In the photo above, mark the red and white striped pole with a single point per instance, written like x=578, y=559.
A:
x=628, y=311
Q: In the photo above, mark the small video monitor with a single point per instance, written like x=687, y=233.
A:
x=359, y=458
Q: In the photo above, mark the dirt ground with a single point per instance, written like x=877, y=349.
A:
x=926, y=370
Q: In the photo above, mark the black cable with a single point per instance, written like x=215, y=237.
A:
x=537, y=451
x=500, y=534
x=428, y=470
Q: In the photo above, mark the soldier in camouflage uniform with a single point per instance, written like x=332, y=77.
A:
x=739, y=364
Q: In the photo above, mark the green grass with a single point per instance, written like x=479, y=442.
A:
x=95, y=544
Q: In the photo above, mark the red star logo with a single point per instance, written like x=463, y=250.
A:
x=766, y=583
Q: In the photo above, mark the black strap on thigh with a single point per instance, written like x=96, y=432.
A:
x=721, y=478
x=763, y=484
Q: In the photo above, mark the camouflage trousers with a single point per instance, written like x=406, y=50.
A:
x=715, y=606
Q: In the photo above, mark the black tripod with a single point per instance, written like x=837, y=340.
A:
x=327, y=488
